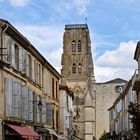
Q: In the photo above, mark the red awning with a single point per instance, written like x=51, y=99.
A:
x=24, y=131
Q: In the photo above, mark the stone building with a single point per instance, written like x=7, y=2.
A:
x=66, y=109
x=120, y=119
x=91, y=100
x=105, y=95
x=29, y=89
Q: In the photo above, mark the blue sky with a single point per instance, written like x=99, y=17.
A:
x=114, y=29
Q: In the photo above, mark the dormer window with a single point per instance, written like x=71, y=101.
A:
x=79, y=46
x=73, y=46
x=74, y=68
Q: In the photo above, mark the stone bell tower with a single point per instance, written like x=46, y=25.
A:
x=78, y=73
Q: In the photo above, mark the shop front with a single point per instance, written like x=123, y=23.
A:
x=18, y=132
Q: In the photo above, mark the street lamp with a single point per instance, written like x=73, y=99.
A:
x=40, y=105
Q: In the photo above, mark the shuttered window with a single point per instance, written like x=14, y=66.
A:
x=16, y=99
x=30, y=105
x=9, y=52
x=56, y=90
x=44, y=119
x=30, y=66
x=24, y=61
x=16, y=56
x=57, y=120
x=8, y=96
x=34, y=107
x=20, y=58
x=52, y=87
x=49, y=109
x=13, y=54
x=44, y=81
x=38, y=111
x=24, y=102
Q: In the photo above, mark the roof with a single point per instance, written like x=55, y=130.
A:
x=137, y=51
x=76, y=26
x=12, y=31
x=117, y=80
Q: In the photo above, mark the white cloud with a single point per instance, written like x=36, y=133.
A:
x=55, y=58
x=82, y=6
x=47, y=39
x=43, y=37
x=19, y=3
x=118, y=63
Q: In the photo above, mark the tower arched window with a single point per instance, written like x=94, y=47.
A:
x=79, y=68
x=74, y=68
x=73, y=46
x=79, y=46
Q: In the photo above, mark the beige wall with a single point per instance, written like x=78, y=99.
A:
x=105, y=96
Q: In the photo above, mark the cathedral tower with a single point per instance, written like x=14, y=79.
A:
x=78, y=73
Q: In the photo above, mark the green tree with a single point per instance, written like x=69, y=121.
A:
x=104, y=136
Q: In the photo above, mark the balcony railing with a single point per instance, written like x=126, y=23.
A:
x=136, y=80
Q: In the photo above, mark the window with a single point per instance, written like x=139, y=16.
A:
x=56, y=90
x=35, y=70
x=52, y=88
x=57, y=120
x=16, y=56
x=79, y=46
x=39, y=75
x=30, y=66
x=9, y=53
x=53, y=119
x=73, y=46
x=79, y=68
x=49, y=110
x=74, y=68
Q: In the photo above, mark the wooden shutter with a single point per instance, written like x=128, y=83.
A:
x=13, y=54
x=44, y=109
x=30, y=110
x=24, y=61
x=27, y=64
x=8, y=96
x=38, y=111
x=35, y=107
x=49, y=112
x=24, y=102
x=44, y=81
x=20, y=58
x=9, y=51
x=15, y=100
x=33, y=71
x=19, y=98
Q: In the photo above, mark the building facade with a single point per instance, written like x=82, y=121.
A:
x=105, y=94
x=77, y=72
x=91, y=99
x=136, y=88
x=29, y=89
x=121, y=126
x=66, y=109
